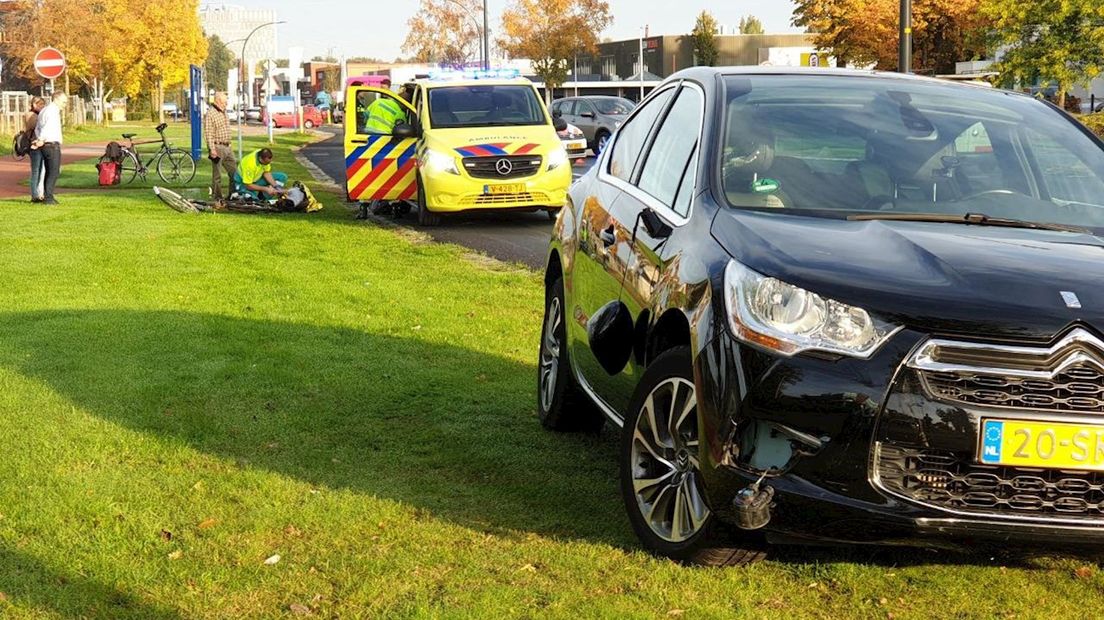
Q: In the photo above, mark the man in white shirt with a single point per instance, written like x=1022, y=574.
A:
x=48, y=141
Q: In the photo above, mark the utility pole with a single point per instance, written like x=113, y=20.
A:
x=904, y=59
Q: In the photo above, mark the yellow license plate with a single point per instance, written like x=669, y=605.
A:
x=1050, y=445
x=575, y=145
x=509, y=188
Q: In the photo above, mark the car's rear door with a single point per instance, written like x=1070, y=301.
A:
x=606, y=248
x=377, y=166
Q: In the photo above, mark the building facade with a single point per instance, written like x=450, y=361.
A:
x=233, y=24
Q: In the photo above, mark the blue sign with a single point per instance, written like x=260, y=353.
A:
x=992, y=433
x=196, y=94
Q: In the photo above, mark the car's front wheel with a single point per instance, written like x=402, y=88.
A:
x=661, y=479
x=561, y=404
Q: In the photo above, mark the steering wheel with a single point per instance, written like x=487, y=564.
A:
x=989, y=192
x=879, y=202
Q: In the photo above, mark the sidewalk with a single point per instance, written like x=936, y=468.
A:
x=14, y=172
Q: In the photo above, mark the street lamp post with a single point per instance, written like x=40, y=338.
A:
x=484, y=45
x=241, y=81
x=904, y=58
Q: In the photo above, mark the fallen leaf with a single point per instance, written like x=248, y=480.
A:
x=676, y=612
x=207, y=524
x=301, y=610
x=3, y=597
x=198, y=486
x=291, y=530
x=272, y=559
x=883, y=601
x=417, y=327
x=1084, y=572
x=529, y=567
x=166, y=534
x=176, y=555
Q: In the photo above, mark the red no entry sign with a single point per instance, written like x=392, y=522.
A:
x=49, y=63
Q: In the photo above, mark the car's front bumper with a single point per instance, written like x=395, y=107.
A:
x=854, y=422
x=451, y=193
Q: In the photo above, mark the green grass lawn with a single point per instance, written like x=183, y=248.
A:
x=184, y=396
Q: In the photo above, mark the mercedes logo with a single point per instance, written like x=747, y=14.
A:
x=504, y=167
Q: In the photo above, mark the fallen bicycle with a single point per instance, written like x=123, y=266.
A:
x=295, y=199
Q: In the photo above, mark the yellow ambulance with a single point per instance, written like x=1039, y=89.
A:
x=472, y=140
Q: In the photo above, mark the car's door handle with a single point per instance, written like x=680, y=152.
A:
x=608, y=237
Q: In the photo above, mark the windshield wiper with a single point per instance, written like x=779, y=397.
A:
x=979, y=219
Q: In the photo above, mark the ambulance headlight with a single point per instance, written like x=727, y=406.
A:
x=439, y=162
x=557, y=158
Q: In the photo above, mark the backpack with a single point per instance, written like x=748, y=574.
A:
x=298, y=198
x=114, y=151
x=110, y=172
x=21, y=143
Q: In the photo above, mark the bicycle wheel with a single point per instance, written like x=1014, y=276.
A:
x=176, y=167
x=128, y=167
x=175, y=201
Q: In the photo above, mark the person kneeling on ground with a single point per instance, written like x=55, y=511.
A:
x=255, y=176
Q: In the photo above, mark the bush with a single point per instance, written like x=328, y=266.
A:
x=1095, y=123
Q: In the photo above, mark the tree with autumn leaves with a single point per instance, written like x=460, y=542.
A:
x=111, y=46
x=865, y=32
x=444, y=32
x=550, y=33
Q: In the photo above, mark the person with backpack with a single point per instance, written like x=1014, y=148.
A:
x=48, y=142
x=29, y=124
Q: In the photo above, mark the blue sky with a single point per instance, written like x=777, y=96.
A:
x=365, y=28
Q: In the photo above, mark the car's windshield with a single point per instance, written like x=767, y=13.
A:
x=840, y=145
x=484, y=105
x=614, y=105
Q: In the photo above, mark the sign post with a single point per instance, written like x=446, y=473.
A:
x=196, y=95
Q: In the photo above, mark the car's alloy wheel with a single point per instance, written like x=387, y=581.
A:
x=561, y=404
x=664, y=461
x=603, y=140
x=661, y=480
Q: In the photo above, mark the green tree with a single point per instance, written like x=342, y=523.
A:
x=751, y=25
x=220, y=60
x=704, y=37
x=1048, y=41
x=552, y=32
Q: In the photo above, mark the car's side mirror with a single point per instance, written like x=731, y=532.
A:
x=559, y=123
x=404, y=131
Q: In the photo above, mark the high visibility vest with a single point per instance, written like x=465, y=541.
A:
x=383, y=115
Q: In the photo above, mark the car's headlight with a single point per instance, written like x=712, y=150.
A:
x=440, y=162
x=557, y=158
x=784, y=318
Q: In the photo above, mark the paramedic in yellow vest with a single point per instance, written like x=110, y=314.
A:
x=255, y=176
x=383, y=114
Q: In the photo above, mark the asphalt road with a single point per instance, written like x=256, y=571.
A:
x=520, y=237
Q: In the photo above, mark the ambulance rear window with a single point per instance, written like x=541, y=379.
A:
x=483, y=105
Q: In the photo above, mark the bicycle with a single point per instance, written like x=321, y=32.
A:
x=175, y=166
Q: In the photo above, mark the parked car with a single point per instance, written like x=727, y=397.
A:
x=837, y=306
x=597, y=116
x=574, y=142
x=338, y=113
x=253, y=114
x=312, y=117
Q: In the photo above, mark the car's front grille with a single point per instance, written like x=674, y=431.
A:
x=1067, y=376
x=1078, y=388
x=536, y=198
x=944, y=480
x=503, y=167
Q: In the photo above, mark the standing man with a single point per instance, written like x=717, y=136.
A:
x=216, y=127
x=30, y=123
x=48, y=142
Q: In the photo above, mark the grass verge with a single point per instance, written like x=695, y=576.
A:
x=185, y=397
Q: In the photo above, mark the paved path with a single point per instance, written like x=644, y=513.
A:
x=14, y=172
x=511, y=236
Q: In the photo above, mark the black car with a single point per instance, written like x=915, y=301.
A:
x=837, y=306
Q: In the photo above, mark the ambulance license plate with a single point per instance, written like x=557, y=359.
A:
x=1050, y=445
x=508, y=188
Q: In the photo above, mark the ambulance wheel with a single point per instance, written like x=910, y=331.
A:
x=425, y=216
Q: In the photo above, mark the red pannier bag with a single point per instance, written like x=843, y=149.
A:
x=110, y=172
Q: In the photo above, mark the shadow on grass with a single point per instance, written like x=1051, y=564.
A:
x=27, y=581
x=445, y=429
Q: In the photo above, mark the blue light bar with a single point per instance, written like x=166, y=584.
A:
x=452, y=75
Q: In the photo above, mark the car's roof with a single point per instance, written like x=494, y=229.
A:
x=595, y=97
x=429, y=83
x=709, y=72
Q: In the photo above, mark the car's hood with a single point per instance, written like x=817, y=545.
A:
x=945, y=278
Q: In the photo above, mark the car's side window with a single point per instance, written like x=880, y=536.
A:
x=634, y=134
x=582, y=107
x=669, y=163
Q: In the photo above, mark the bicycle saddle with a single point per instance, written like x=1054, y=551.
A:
x=162, y=127
x=128, y=136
